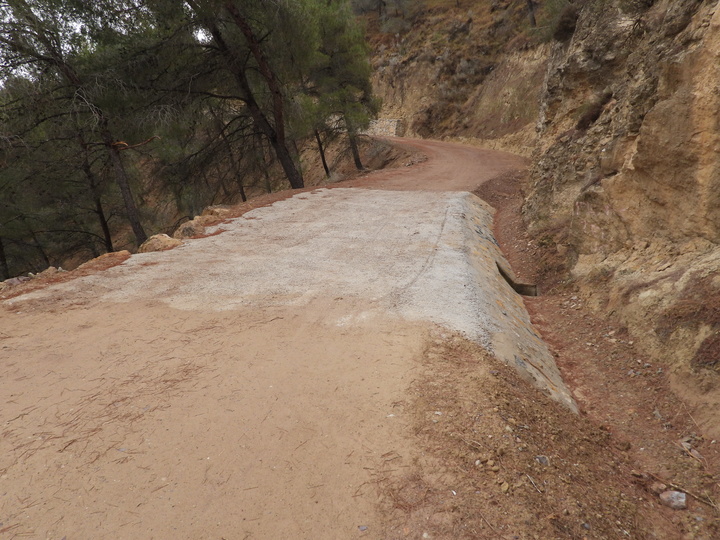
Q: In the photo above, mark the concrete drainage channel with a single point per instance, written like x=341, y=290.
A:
x=420, y=256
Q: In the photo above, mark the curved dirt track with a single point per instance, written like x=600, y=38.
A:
x=449, y=167
x=166, y=399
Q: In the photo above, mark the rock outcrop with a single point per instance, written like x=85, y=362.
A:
x=626, y=182
x=190, y=229
x=619, y=109
x=456, y=74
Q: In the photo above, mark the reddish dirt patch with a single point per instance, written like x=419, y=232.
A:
x=502, y=460
x=620, y=390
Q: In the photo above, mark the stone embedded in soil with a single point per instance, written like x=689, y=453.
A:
x=623, y=445
x=676, y=500
x=159, y=242
x=189, y=229
x=658, y=487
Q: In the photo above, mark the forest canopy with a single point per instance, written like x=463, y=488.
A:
x=117, y=116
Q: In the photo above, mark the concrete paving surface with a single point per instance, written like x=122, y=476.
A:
x=415, y=255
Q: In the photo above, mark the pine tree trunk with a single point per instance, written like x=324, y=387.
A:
x=352, y=137
x=124, y=185
x=39, y=247
x=100, y=212
x=279, y=146
x=94, y=185
x=268, y=183
x=278, y=142
x=235, y=166
x=262, y=164
x=288, y=164
x=4, y=268
x=275, y=132
x=355, y=151
x=35, y=242
x=322, y=153
x=243, y=196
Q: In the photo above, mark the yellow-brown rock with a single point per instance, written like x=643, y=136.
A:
x=159, y=242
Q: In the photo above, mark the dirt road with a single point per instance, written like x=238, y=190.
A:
x=245, y=388
x=442, y=166
x=295, y=378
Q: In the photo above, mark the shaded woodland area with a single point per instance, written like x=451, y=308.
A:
x=118, y=117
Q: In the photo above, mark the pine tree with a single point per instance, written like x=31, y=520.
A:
x=252, y=48
x=33, y=37
x=342, y=76
x=193, y=95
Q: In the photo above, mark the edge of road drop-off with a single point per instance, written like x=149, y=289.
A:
x=417, y=255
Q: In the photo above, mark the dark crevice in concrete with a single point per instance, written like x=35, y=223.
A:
x=520, y=288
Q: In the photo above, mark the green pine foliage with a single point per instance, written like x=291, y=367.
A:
x=118, y=116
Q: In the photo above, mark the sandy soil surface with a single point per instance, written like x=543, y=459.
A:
x=153, y=410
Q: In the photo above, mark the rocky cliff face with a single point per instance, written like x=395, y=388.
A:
x=464, y=73
x=626, y=182
x=621, y=114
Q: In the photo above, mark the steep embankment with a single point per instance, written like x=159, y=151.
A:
x=619, y=112
x=626, y=184
x=463, y=73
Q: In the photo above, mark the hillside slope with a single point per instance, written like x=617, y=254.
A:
x=619, y=112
